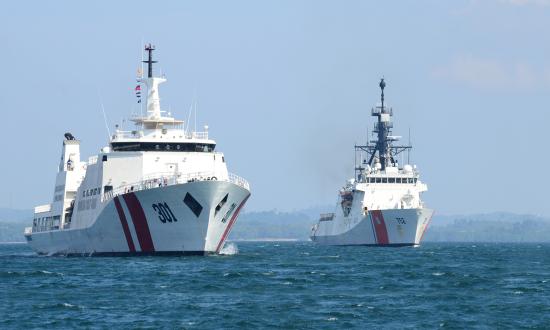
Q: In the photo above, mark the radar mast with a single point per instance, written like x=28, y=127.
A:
x=149, y=49
x=382, y=150
x=154, y=118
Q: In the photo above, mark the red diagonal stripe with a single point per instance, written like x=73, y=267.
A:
x=228, y=228
x=380, y=227
x=140, y=223
x=124, y=224
x=426, y=228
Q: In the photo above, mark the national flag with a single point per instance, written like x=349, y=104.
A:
x=138, y=93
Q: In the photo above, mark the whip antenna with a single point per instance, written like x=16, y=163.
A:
x=104, y=114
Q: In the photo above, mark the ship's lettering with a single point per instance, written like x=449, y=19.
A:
x=228, y=213
x=164, y=212
x=401, y=221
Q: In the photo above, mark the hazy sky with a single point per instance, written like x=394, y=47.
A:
x=286, y=88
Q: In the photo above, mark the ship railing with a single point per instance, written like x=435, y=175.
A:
x=159, y=179
x=163, y=179
x=127, y=134
x=234, y=178
x=138, y=134
x=378, y=109
x=92, y=160
x=199, y=135
x=202, y=176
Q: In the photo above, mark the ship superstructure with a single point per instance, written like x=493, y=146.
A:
x=382, y=204
x=157, y=189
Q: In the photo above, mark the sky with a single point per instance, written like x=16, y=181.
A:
x=286, y=88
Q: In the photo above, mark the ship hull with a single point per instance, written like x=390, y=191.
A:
x=184, y=219
x=392, y=227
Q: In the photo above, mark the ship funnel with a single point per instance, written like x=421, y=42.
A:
x=70, y=155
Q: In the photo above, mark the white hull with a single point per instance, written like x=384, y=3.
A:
x=129, y=224
x=392, y=227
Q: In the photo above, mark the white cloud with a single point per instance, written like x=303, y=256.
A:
x=485, y=73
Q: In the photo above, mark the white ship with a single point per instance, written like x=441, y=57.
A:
x=381, y=206
x=158, y=189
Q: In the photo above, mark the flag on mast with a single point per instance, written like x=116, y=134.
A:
x=138, y=93
x=138, y=87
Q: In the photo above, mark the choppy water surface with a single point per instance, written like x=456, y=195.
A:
x=284, y=285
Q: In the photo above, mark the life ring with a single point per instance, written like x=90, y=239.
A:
x=214, y=178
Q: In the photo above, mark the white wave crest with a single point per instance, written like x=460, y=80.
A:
x=229, y=249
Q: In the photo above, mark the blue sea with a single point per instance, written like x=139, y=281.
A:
x=286, y=285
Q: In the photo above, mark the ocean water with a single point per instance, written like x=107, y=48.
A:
x=287, y=285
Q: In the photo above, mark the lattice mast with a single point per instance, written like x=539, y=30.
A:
x=381, y=150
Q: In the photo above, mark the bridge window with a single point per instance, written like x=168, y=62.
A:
x=150, y=146
x=384, y=180
x=391, y=180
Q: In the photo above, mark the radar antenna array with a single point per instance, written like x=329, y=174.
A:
x=149, y=49
x=381, y=150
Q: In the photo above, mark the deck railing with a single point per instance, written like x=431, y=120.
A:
x=139, y=134
x=163, y=179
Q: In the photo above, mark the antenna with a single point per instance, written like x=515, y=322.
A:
x=141, y=75
x=149, y=48
x=104, y=114
x=195, y=130
x=141, y=48
x=382, y=86
x=195, y=98
x=189, y=118
x=355, y=164
x=409, y=150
